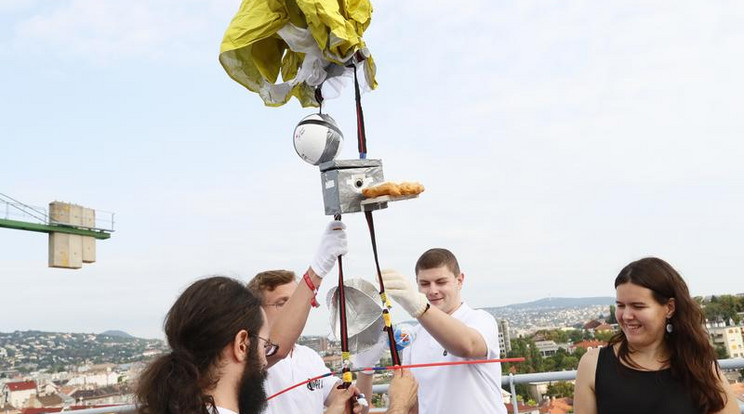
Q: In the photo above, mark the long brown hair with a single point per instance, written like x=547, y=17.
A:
x=199, y=325
x=691, y=357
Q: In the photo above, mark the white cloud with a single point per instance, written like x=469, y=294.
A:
x=107, y=32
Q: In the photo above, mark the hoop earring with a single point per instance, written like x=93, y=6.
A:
x=669, y=326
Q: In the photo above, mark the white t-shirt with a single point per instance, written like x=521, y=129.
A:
x=300, y=365
x=223, y=410
x=457, y=388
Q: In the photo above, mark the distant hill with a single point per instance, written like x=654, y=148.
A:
x=29, y=351
x=560, y=303
x=116, y=334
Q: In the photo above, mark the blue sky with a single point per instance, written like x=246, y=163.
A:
x=558, y=141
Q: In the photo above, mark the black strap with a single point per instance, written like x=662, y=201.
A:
x=383, y=296
x=361, y=134
x=319, y=97
x=346, y=374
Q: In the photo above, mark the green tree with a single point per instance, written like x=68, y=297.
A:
x=549, y=364
x=713, y=311
x=603, y=335
x=522, y=392
x=557, y=335
x=558, y=357
x=611, y=319
x=721, y=352
x=560, y=389
x=729, y=305
x=576, y=335
x=569, y=362
x=524, y=347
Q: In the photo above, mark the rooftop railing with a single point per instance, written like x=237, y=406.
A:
x=507, y=381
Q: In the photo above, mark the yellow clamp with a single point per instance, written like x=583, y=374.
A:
x=345, y=355
x=388, y=320
x=385, y=300
x=346, y=377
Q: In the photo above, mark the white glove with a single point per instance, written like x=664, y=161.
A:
x=370, y=357
x=332, y=244
x=405, y=293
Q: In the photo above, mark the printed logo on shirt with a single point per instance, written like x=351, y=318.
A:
x=315, y=385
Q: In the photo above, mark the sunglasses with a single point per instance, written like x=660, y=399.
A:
x=270, y=348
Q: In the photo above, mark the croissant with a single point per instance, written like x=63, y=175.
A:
x=393, y=189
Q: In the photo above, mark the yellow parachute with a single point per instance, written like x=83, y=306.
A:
x=307, y=41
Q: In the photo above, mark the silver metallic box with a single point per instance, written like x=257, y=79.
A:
x=343, y=181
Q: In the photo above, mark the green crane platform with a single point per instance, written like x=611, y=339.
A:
x=72, y=229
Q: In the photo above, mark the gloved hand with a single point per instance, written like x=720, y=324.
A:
x=332, y=244
x=371, y=356
x=404, y=292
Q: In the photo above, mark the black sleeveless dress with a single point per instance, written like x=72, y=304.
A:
x=622, y=390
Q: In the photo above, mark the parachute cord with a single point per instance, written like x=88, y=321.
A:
x=319, y=98
x=361, y=134
x=383, y=296
x=345, y=355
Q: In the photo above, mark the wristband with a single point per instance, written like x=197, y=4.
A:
x=425, y=309
x=313, y=289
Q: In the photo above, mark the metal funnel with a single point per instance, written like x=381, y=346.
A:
x=363, y=314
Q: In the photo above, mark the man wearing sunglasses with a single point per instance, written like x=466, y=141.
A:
x=217, y=333
x=217, y=362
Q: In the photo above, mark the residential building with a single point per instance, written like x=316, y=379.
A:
x=546, y=348
x=605, y=327
x=729, y=337
x=319, y=344
x=94, y=379
x=333, y=362
x=504, y=337
x=18, y=393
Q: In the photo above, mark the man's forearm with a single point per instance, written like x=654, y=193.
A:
x=364, y=383
x=290, y=323
x=454, y=336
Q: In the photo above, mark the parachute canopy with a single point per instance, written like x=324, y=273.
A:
x=308, y=42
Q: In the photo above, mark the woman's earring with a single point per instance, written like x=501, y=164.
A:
x=669, y=327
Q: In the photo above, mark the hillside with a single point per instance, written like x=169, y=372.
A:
x=560, y=303
x=27, y=351
x=117, y=334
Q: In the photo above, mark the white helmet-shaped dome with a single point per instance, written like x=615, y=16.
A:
x=317, y=139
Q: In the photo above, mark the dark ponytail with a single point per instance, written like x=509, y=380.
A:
x=199, y=325
x=171, y=385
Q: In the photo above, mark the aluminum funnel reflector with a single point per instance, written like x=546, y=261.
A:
x=363, y=314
